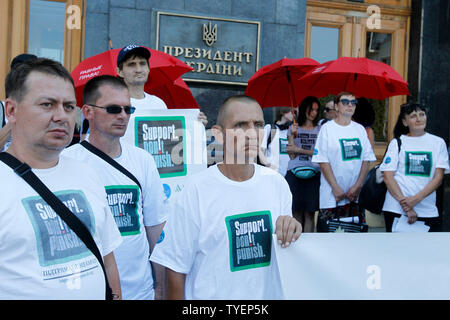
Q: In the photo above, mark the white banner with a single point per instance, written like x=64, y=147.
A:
x=366, y=266
x=175, y=139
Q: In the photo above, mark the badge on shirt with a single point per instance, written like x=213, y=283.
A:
x=418, y=163
x=283, y=145
x=250, y=240
x=123, y=203
x=351, y=149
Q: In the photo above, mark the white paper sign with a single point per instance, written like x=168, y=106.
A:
x=175, y=139
x=366, y=266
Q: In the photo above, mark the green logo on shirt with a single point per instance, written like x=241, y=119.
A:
x=283, y=145
x=250, y=240
x=123, y=202
x=351, y=149
x=418, y=163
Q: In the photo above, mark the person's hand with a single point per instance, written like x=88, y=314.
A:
x=202, y=118
x=338, y=193
x=294, y=129
x=353, y=193
x=288, y=230
x=412, y=216
x=292, y=148
x=409, y=203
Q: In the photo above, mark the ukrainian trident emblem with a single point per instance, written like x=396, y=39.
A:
x=209, y=34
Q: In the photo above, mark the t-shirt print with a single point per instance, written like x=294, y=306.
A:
x=250, y=240
x=123, y=202
x=351, y=149
x=56, y=242
x=306, y=141
x=418, y=163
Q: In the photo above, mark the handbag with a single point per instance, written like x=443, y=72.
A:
x=373, y=191
x=24, y=171
x=304, y=172
x=338, y=225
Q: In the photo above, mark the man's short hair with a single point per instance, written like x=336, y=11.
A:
x=91, y=91
x=221, y=116
x=15, y=86
x=22, y=58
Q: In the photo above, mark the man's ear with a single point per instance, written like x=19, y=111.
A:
x=119, y=72
x=217, y=132
x=11, y=110
x=88, y=112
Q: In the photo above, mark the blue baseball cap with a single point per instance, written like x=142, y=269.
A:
x=132, y=49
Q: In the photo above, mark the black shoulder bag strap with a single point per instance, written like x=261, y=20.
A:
x=24, y=171
x=111, y=161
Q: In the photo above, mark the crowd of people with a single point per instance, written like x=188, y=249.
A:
x=215, y=241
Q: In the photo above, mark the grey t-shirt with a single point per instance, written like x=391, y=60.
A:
x=306, y=139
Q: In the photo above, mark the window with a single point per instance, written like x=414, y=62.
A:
x=378, y=47
x=324, y=43
x=46, y=29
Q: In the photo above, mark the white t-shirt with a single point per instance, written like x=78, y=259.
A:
x=344, y=148
x=41, y=258
x=220, y=235
x=148, y=103
x=276, y=151
x=414, y=168
x=126, y=204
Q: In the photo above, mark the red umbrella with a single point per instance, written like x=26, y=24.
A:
x=176, y=95
x=164, y=69
x=361, y=76
x=276, y=84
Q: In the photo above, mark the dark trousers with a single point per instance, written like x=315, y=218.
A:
x=433, y=223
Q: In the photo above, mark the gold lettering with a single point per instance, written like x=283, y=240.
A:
x=227, y=56
x=226, y=70
x=217, y=56
x=178, y=51
x=167, y=49
x=237, y=56
x=197, y=54
x=188, y=53
x=207, y=54
x=210, y=69
x=237, y=71
x=201, y=66
x=248, y=55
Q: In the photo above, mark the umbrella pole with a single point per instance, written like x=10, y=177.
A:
x=291, y=94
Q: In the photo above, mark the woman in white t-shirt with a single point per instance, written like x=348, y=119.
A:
x=413, y=174
x=343, y=152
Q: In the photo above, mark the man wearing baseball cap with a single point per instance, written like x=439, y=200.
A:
x=133, y=66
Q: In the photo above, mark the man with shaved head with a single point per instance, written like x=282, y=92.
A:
x=219, y=246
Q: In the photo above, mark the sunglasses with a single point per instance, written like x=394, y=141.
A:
x=328, y=109
x=116, y=109
x=347, y=101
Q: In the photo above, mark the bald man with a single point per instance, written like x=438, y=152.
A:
x=220, y=244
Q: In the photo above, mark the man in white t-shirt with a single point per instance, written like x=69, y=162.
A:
x=133, y=67
x=41, y=257
x=218, y=242
x=138, y=209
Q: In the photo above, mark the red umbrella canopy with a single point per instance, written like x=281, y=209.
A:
x=361, y=76
x=276, y=84
x=176, y=95
x=164, y=69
